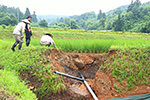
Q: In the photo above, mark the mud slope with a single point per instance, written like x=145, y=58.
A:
x=88, y=64
x=73, y=64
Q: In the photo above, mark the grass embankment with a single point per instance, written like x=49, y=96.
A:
x=10, y=80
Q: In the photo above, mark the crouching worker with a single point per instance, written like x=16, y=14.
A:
x=47, y=40
x=19, y=34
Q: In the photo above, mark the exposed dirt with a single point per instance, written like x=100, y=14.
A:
x=102, y=83
x=5, y=96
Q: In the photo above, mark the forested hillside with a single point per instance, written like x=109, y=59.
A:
x=131, y=18
x=11, y=15
x=134, y=17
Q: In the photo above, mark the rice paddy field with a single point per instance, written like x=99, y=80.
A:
x=85, y=41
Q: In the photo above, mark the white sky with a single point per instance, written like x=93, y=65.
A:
x=66, y=7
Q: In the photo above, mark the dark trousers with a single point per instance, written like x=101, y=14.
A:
x=28, y=39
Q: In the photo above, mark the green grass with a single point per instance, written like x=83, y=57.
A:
x=75, y=34
x=132, y=65
x=131, y=61
x=92, y=46
x=130, y=43
x=30, y=56
x=10, y=82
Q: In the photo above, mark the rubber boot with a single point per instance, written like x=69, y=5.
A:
x=14, y=45
x=20, y=45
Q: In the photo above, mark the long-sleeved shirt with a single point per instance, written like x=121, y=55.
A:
x=19, y=29
x=47, y=39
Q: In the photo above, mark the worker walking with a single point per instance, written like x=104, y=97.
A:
x=19, y=34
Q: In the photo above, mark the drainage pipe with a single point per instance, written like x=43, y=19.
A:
x=88, y=87
x=66, y=75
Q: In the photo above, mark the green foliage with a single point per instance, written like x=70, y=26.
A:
x=118, y=24
x=12, y=11
x=100, y=15
x=27, y=13
x=7, y=19
x=10, y=82
x=118, y=89
x=73, y=25
x=132, y=18
x=43, y=23
x=30, y=56
x=34, y=18
x=11, y=15
x=131, y=65
x=146, y=28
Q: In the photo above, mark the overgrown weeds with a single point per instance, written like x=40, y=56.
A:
x=132, y=65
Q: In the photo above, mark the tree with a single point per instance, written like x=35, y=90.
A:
x=100, y=15
x=43, y=23
x=27, y=13
x=134, y=5
x=19, y=14
x=118, y=24
x=137, y=3
x=13, y=20
x=34, y=18
x=146, y=28
x=130, y=6
x=67, y=21
x=74, y=25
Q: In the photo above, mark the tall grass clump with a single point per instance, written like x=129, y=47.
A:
x=92, y=46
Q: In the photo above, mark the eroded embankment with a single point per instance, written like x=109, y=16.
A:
x=73, y=64
x=104, y=85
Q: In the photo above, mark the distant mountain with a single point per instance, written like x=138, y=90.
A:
x=52, y=18
x=147, y=3
x=122, y=8
x=49, y=18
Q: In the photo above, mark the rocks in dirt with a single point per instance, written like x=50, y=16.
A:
x=79, y=63
x=78, y=91
x=82, y=61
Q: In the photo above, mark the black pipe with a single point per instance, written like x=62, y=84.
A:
x=29, y=66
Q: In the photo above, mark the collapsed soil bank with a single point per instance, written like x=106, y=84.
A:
x=88, y=64
x=74, y=63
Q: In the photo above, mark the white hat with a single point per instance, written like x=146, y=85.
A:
x=26, y=21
